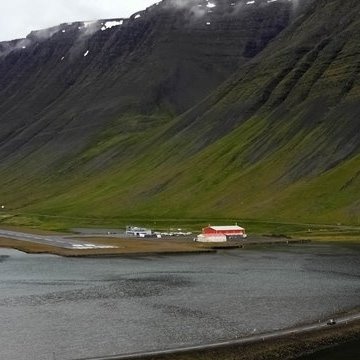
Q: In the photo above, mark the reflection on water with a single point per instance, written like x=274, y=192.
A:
x=75, y=308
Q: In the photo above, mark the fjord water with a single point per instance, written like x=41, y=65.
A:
x=63, y=308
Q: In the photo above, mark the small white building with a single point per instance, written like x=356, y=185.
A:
x=136, y=231
x=207, y=238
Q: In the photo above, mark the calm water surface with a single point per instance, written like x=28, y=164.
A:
x=72, y=308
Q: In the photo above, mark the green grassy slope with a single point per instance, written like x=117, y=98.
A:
x=278, y=141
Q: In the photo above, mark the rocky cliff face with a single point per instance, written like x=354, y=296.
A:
x=137, y=111
x=162, y=60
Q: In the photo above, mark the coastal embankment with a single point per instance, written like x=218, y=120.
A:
x=290, y=344
x=72, y=245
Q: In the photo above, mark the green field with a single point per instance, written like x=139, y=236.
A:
x=314, y=232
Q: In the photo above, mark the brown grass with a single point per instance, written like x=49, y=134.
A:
x=338, y=238
x=31, y=248
x=135, y=246
x=124, y=247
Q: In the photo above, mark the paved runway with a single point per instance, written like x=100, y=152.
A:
x=57, y=241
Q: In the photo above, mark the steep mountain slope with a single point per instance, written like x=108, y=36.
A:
x=161, y=61
x=145, y=129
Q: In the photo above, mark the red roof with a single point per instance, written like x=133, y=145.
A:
x=227, y=228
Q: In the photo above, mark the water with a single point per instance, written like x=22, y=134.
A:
x=75, y=308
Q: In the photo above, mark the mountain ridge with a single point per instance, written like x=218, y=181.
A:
x=262, y=140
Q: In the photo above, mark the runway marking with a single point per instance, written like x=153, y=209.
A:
x=56, y=241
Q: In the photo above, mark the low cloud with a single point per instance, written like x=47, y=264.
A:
x=19, y=17
x=7, y=48
x=191, y=5
x=181, y=4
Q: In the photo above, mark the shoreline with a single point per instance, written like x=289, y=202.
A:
x=132, y=247
x=291, y=343
x=288, y=344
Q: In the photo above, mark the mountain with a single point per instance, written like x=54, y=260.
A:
x=187, y=109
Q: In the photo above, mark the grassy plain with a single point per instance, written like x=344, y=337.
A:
x=258, y=231
x=47, y=224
